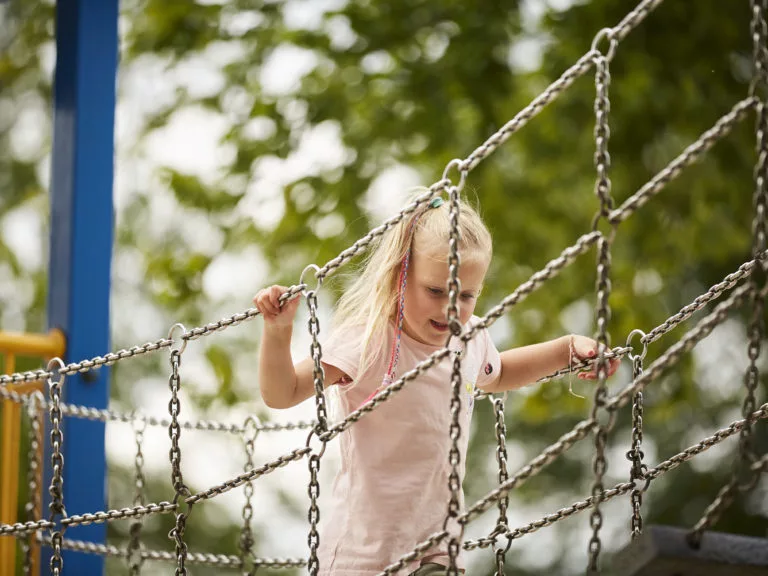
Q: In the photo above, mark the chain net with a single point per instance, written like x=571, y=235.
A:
x=747, y=283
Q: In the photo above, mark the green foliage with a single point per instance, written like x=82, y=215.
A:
x=417, y=84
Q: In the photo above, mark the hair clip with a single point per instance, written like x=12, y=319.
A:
x=436, y=202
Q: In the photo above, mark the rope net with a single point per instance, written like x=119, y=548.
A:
x=745, y=284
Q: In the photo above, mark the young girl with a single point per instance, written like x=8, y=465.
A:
x=392, y=490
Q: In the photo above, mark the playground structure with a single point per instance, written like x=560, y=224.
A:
x=752, y=287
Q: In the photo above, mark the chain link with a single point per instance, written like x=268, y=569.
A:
x=219, y=560
x=690, y=155
x=318, y=373
x=623, y=488
x=635, y=454
x=743, y=477
x=314, y=514
x=134, y=557
x=501, y=460
x=602, y=162
x=56, y=489
x=251, y=427
x=673, y=354
x=33, y=505
x=177, y=479
x=455, y=327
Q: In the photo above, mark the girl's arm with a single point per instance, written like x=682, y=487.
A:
x=525, y=365
x=282, y=384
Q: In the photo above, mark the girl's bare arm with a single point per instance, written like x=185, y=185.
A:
x=282, y=383
x=525, y=365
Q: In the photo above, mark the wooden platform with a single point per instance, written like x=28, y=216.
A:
x=664, y=551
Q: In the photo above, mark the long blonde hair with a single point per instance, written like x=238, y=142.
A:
x=371, y=300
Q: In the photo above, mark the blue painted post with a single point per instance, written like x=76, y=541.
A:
x=81, y=245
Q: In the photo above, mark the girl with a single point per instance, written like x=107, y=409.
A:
x=392, y=490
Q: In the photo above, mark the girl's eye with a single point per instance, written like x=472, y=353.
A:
x=435, y=291
x=467, y=296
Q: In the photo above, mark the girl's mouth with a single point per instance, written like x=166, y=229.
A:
x=439, y=326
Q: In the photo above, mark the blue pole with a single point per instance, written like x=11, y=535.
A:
x=81, y=246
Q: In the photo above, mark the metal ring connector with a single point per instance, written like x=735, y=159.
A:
x=316, y=268
x=173, y=340
x=457, y=162
x=325, y=442
x=605, y=34
x=632, y=355
x=251, y=428
x=59, y=370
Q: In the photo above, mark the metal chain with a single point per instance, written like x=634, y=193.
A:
x=623, y=488
x=690, y=155
x=33, y=504
x=603, y=284
x=133, y=556
x=87, y=519
x=219, y=560
x=177, y=535
x=552, y=269
x=501, y=460
x=314, y=514
x=455, y=327
x=635, y=454
x=56, y=489
x=743, y=477
x=318, y=373
x=177, y=480
x=673, y=354
x=246, y=535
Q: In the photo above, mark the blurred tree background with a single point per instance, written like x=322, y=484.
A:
x=317, y=117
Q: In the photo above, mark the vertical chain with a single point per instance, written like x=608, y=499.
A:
x=316, y=352
x=33, y=498
x=56, y=489
x=177, y=480
x=250, y=432
x=454, y=324
x=759, y=30
x=742, y=477
x=134, y=557
x=603, y=285
x=635, y=454
x=501, y=460
x=314, y=514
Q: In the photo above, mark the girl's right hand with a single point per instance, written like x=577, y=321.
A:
x=267, y=302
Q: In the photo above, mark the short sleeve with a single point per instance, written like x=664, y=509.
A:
x=490, y=360
x=342, y=350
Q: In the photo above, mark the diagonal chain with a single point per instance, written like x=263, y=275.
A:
x=692, y=153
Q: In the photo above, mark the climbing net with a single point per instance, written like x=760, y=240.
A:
x=747, y=283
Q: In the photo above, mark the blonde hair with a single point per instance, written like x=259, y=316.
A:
x=371, y=300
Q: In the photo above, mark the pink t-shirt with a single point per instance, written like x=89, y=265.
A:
x=392, y=490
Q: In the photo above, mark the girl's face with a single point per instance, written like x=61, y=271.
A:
x=426, y=293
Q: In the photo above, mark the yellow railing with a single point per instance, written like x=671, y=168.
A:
x=44, y=346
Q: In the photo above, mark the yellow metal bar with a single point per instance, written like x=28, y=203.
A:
x=48, y=345
x=9, y=473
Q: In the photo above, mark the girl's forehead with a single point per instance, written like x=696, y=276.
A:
x=433, y=263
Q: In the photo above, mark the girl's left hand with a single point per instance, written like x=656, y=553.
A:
x=582, y=348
